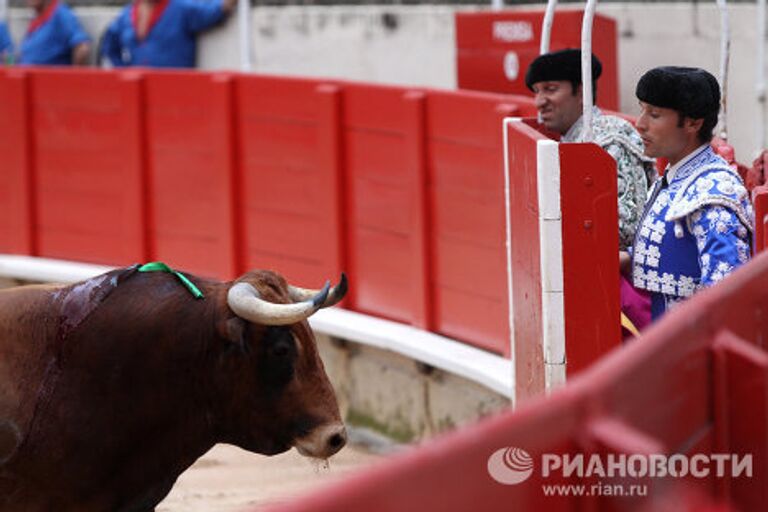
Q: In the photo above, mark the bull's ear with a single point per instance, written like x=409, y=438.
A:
x=233, y=329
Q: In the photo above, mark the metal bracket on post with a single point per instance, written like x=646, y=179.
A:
x=586, y=68
x=244, y=34
x=725, y=55
x=546, y=27
x=760, y=83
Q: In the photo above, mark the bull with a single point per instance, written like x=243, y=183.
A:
x=112, y=387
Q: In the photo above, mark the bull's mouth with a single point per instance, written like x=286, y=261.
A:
x=318, y=442
x=269, y=448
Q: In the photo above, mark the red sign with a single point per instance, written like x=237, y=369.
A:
x=495, y=49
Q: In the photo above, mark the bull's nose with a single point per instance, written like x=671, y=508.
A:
x=323, y=441
x=337, y=440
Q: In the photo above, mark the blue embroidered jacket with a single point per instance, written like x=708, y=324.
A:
x=696, y=229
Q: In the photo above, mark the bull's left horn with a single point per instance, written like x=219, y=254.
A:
x=246, y=303
x=334, y=297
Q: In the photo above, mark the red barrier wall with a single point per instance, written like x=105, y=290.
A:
x=290, y=177
x=189, y=133
x=87, y=152
x=16, y=199
x=695, y=383
x=760, y=202
x=217, y=173
x=385, y=162
x=588, y=192
x=466, y=161
x=526, y=255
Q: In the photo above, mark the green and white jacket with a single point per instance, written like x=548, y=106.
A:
x=635, y=171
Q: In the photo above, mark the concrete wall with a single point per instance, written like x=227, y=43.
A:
x=684, y=34
x=399, y=397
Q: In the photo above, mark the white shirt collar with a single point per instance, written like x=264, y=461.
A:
x=672, y=170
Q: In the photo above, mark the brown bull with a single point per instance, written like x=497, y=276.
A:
x=111, y=388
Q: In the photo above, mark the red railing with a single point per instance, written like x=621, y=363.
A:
x=217, y=173
x=760, y=202
x=695, y=384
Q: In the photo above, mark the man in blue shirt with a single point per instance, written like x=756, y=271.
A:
x=161, y=33
x=6, y=45
x=54, y=37
x=697, y=225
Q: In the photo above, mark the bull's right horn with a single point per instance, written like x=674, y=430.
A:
x=244, y=300
x=334, y=297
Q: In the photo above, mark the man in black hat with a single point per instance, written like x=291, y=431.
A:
x=555, y=79
x=697, y=225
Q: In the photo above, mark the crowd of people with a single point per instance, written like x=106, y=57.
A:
x=152, y=33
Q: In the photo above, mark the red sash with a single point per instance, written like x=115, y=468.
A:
x=157, y=10
x=43, y=17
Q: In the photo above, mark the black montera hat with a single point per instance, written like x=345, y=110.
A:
x=560, y=65
x=693, y=92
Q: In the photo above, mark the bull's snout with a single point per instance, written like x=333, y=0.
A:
x=323, y=441
x=337, y=440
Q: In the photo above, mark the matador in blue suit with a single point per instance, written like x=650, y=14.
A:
x=698, y=222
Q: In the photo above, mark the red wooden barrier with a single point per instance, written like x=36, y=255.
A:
x=290, y=177
x=87, y=153
x=16, y=199
x=588, y=192
x=564, y=238
x=189, y=134
x=760, y=202
x=465, y=145
x=694, y=384
x=526, y=257
x=216, y=173
x=387, y=228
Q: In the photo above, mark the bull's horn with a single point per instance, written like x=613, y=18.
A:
x=337, y=293
x=246, y=303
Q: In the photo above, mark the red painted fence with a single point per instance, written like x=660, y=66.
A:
x=190, y=178
x=694, y=385
x=215, y=173
x=760, y=202
x=86, y=139
x=16, y=221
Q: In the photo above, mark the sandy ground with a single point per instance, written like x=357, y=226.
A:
x=228, y=479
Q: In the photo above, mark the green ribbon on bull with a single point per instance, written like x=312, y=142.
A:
x=159, y=266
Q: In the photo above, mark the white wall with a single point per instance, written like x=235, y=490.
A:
x=681, y=34
x=353, y=42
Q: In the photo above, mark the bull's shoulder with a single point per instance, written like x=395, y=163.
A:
x=26, y=328
x=23, y=304
x=30, y=289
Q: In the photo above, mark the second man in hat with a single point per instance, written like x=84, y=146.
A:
x=555, y=80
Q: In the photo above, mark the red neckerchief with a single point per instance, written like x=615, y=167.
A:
x=43, y=17
x=157, y=10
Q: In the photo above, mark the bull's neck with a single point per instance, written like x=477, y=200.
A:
x=128, y=391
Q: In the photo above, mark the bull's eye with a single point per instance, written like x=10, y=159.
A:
x=281, y=349
x=277, y=355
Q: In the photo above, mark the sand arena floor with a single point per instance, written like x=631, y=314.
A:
x=228, y=479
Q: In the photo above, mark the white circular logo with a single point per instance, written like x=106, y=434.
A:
x=511, y=66
x=510, y=465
